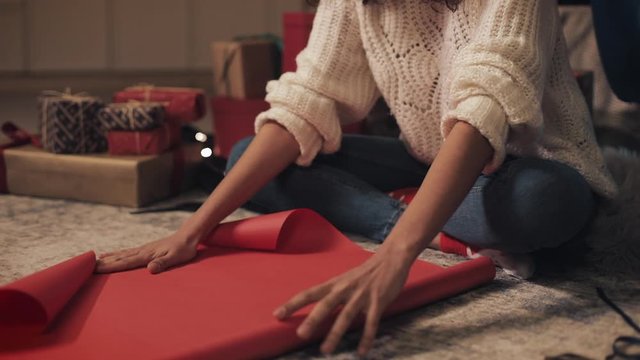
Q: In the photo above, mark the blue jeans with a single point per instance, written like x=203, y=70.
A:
x=527, y=205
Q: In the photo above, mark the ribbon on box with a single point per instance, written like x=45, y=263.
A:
x=181, y=104
x=68, y=123
x=227, y=81
x=224, y=79
x=132, y=116
x=17, y=137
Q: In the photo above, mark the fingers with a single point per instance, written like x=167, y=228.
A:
x=374, y=313
x=341, y=325
x=301, y=300
x=163, y=262
x=119, y=253
x=125, y=260
x=320, y=312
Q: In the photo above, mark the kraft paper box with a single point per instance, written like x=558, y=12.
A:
x=131, y=181
x=241, y=69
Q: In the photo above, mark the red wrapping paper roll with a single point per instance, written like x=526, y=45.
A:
x=150, y=142
x=28, y=305
x=180, y=104
x=220, y=305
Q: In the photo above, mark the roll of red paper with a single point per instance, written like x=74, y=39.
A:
x=30, y=304
x=234, y=120
x=219, y=306
x=297, y=28
x=150, y=142
x=180, y=104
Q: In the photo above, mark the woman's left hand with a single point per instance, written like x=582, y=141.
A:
x=368, y=288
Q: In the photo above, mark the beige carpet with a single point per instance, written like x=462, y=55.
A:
x=508, y=319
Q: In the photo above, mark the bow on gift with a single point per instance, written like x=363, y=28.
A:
x=148, y=88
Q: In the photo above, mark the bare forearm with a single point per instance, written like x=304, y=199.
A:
x=450, y=177
x=271, y=151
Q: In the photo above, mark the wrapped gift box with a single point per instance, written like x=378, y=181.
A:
x=132, y=116
x=180, y=104
x=297, y=28
x=69, y=125
x=132, y=181
x=12, y=136
x=150, y=142
x=241, y=69
x=5, y=143
x=234, y=120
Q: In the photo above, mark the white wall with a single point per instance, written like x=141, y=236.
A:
x=98, y=35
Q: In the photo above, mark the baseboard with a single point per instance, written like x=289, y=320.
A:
x=33, y=83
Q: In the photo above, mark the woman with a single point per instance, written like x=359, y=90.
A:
x=485, y=101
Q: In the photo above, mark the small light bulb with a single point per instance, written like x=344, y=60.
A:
x=201, y=137
x=206, y=152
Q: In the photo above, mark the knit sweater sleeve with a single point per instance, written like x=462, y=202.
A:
x=496, y=84
x=332, y=84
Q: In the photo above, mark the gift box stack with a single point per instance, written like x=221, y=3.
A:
x=141, y=131
x=241, y=71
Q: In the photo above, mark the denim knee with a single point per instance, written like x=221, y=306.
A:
x=237, y=150
x=537, y=204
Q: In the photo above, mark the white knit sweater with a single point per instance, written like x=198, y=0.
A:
x=500, y=65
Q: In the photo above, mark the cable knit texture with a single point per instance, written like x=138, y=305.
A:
x=499, y=65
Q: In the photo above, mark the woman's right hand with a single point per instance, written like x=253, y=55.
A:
x=270, y=152
x=156, y=256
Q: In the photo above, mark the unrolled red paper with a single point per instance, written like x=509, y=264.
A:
x=219, y=306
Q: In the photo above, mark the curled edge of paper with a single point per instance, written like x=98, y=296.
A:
x=272, y=232
x=28, y=305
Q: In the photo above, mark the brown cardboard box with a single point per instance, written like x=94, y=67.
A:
x=241, y=69
x=132, y=181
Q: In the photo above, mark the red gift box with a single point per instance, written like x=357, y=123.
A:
x=12, y=136
x=297, y=28
x=180, y=104
x=234, y=120
x=149, y=142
